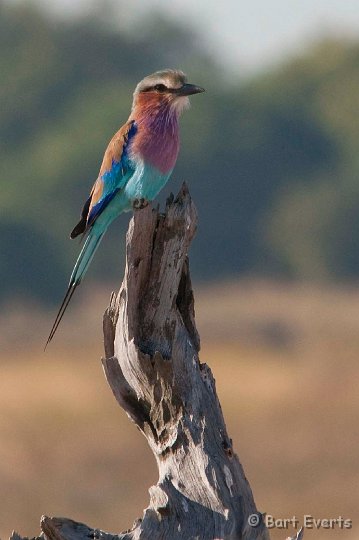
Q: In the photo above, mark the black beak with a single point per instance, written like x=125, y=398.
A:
x=189, y=89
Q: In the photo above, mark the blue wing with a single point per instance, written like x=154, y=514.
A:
x=115, y=171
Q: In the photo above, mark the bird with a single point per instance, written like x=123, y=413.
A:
x=137, y=163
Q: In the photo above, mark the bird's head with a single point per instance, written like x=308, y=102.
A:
x=168, y=88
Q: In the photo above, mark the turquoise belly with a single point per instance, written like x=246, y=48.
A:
x=145, y=183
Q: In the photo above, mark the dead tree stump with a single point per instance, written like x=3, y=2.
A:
x=153, y=369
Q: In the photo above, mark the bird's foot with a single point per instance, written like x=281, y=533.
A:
x=138, y=204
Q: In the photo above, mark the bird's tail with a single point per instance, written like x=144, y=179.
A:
x=83, y=262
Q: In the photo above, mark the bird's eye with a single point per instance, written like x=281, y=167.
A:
x=160, y=87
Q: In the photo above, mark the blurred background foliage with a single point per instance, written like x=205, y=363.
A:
x=272, y=161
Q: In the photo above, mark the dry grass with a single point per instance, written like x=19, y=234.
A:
x=286, y=363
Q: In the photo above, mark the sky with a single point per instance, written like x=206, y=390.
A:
x=253, y=34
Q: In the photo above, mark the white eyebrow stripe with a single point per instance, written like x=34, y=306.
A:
x=167, y=82
x=170, y=84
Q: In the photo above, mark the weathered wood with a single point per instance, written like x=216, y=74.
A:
x=154, y=371
x=152, y=366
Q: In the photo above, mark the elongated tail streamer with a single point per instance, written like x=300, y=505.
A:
x=83, y=262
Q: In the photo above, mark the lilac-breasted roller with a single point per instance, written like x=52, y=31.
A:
x=137, y=164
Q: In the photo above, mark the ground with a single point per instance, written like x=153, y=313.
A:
x=285, y=358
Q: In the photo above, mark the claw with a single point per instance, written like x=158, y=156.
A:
x=138, y=204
